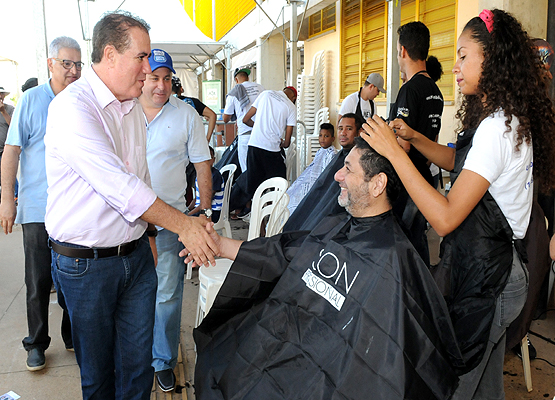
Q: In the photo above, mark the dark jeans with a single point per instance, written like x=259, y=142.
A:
x=111, y=304
x=485, y=382
x=38, y=281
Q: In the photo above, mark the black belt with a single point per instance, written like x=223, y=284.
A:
x=100, y=252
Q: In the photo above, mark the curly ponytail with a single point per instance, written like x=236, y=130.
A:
x=513, y=79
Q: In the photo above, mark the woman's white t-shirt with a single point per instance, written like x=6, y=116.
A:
x=509, y=172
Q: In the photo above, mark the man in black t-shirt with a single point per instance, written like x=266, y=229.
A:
x=420, y=104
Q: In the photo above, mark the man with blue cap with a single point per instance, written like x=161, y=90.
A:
x=175, y=136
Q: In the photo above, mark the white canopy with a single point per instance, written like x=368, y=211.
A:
x=189, y=55
x=171, y=30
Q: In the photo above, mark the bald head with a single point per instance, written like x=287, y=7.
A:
x=291, y=94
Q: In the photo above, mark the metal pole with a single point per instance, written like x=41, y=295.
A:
x=229, y=67
x=393, y=22
x=294, y=69
x=41, y=44
x=214, y=19
x=550, y=37
x=302, y=20
x=271, y=20
x=294, y=37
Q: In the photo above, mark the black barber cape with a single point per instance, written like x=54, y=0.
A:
x=321, y=200
x=347, y=311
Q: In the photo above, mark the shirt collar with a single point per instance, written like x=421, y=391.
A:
x=48, y=89
x=104, y=95
x=172, y=101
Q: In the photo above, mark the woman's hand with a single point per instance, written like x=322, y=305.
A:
x=404, y=144
x=381, y=137
x=402, y=130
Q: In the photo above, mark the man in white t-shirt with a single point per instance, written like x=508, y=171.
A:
x=362, y=102
x=238, y=102
x=275, y=114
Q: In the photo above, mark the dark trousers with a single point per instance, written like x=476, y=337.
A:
x=38, y=280
x=261, y=165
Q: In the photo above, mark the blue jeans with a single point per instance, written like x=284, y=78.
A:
x=169, y=299
x=111, y=305
x=485, y=382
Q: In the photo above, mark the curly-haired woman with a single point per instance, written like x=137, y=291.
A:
x=506, y=142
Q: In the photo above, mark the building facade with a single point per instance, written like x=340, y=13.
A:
x=354, y=34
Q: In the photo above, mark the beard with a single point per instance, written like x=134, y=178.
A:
x=344, y=201
x=357, y=198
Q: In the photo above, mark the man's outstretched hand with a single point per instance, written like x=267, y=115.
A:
x=201, y=242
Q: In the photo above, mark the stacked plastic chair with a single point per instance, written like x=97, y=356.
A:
x=311, y=107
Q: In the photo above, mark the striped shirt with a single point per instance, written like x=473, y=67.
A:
x=218, y=186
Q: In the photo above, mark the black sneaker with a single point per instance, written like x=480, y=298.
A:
x=531, y=350
x=166, y=380
x=35, y=359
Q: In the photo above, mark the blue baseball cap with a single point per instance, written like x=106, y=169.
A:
x=159, y=58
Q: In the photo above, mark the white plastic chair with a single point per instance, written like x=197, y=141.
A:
x=211, y=280
x=291, y=163
x=263, y=202
x=223, y=223
x=269, y=196
x=279, y=216
x=313, y=145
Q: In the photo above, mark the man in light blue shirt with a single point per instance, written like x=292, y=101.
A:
x=26, y=140
x=175, y=135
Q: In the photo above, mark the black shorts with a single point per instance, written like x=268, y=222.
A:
x=261, y=165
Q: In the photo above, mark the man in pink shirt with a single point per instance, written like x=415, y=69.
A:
x=99, y=206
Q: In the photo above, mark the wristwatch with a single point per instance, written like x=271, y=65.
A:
x=207, y=212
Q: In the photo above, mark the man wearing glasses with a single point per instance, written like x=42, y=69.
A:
x=25, y=140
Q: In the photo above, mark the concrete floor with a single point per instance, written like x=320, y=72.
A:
x=60, y=379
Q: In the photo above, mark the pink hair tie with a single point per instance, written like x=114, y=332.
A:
x=487, y=17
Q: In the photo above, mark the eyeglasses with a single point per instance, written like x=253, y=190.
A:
x=68, y=64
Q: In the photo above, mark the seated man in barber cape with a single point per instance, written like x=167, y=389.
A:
x=342, y=311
